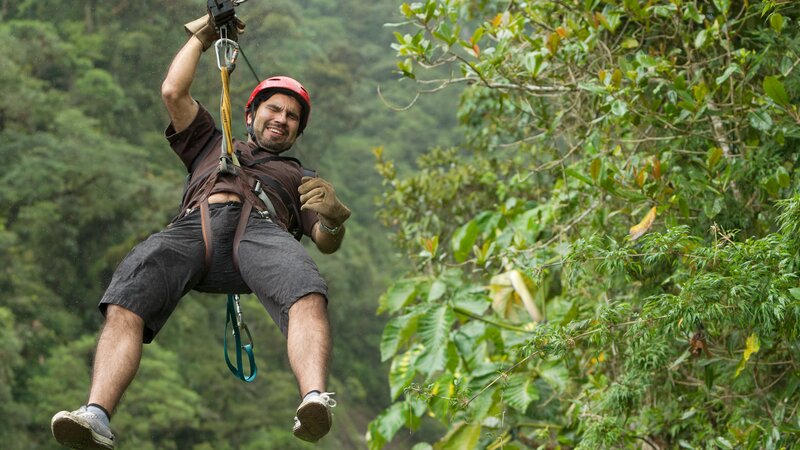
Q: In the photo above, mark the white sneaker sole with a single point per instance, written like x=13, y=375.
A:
x=74, y=433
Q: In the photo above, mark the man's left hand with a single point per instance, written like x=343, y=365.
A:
x=318, y=195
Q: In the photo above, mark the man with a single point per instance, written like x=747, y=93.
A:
x=228, y=240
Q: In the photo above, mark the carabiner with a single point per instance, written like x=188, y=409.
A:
x=237, y=324
x=227, y=51
x=238, y=308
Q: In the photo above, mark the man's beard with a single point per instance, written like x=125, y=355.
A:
x=273, y=147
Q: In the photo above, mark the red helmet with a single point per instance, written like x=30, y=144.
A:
x=288, y=86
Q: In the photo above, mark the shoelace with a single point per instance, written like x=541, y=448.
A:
x=326, y=397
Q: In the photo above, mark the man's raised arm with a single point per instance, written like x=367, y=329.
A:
x=181, y=107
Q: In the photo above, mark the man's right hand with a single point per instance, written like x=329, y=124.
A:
x=204, y=30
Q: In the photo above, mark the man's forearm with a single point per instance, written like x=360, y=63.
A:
x=175, y=90
x=327, y=242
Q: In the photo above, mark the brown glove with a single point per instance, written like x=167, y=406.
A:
x=204, y=30
x=318, y=195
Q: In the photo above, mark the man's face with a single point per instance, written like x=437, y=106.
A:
x=276, y=122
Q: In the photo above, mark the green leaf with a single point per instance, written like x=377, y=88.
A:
x=619, y=108
x=630, y=43
x=460, y=437
x=430, y=10
x=463, y=240
x=574, y=173
x=571, y=314
x=713, y=156
x=709, y=376
x=554, y=374
x=795, y=293
x=474, y=302
x=434, y=332
x=724, y=443
x=386, y=425
x=700, y=39
x=723, y=6
x=476, y=36
x=521, y=391
x=776, y=21
x=442, y=391
x=396, y=334
x=783, y=177
x=775, y=90
x=728, y=72
x=401, y=372
x=594, y=169
x=398, y=295
x=438, y=289
x=760, y=120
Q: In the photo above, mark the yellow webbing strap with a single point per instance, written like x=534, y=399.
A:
x=226, y=50
x=225, y=115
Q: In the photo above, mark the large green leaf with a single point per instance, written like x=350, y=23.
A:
x=398, y=295
x=386, y=425
x=760, y=120
x=462, y=436
x=396, y=333
x=521, y=390
x=401, y=372
x=775, y=90
x=434, y=333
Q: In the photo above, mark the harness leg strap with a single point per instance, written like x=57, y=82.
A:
x=205, y=221
x=240, y=227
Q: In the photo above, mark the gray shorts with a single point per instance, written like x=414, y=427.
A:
x=153, y=277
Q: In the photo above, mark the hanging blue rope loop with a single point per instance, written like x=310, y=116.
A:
x=238, y=325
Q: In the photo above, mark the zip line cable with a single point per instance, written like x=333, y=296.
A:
x=253, y=71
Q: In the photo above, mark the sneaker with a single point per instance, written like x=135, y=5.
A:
x=81, y=429
x=313, y=417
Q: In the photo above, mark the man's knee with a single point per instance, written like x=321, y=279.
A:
x=120, y=316
x=310, y=304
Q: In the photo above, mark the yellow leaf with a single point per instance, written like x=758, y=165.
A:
x=641, y=177
x=751, y=346
x=503, y=299
x=501, y=19
x=498, y=19
x=642, y=227
x=507, y=291
x=524, y=294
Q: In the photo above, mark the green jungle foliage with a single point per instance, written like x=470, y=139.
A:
x=87, y=174
x=611, y=258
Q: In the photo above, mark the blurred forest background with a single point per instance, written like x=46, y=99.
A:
x=584, y=233
x=88, y=175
